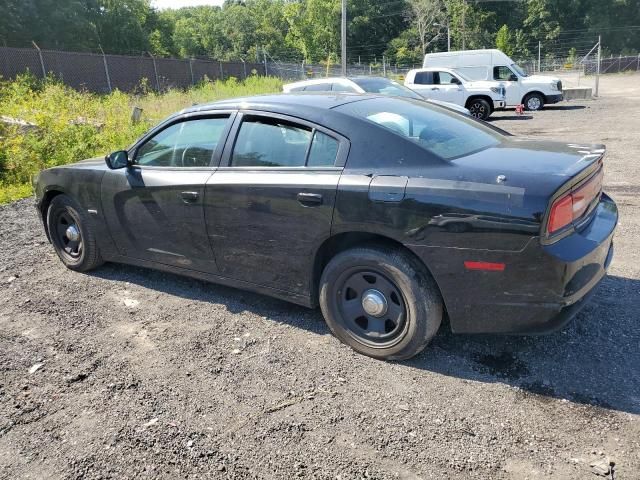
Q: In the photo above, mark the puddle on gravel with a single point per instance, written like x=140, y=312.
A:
x=505, y=365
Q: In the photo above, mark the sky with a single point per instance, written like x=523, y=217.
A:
x=162, y=4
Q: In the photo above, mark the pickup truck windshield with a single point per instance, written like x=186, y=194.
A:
x=446, y=134
x=519, y=70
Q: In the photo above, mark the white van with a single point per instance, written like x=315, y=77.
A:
x=533, y=91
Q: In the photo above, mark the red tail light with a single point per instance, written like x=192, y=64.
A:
x=574, y=204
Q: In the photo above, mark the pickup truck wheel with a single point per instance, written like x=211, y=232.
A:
x=71, y=234
x=479, y=108
x=380, y=301
x=533, y=102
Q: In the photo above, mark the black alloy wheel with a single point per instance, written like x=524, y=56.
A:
x=480, y=108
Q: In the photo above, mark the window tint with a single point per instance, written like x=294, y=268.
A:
x=318, y=87
x=186, y=144
x=339, y=87
x=265, y=142
x=424, y=78
x=502, y=73
x=323, y=151
x=447, y=78
x=443, y=133
x=296, y=89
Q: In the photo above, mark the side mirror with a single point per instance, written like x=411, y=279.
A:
x=116, y=160
x=513, y=77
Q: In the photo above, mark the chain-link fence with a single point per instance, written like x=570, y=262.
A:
x=103, y=73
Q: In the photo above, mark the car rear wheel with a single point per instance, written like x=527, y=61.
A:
x=533, y=102
x=479, y=108
x=71, y=234
x=380, y=301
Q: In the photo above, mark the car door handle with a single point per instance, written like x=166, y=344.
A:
x=308, y=199
x=190, y=197
x=435, y=88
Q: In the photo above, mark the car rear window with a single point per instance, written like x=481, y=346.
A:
x=385, y=86
x=445, y=134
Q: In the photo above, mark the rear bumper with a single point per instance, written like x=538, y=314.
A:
x=541, y=287
x=554, y=98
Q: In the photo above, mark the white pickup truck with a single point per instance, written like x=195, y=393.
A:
x=447, y=85
x=532, y=91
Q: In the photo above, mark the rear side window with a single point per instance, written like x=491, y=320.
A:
x=324, y=150
x=424, y=78
x=190, y=143
x=270, y=142
x=318, y=87
x=446, y=134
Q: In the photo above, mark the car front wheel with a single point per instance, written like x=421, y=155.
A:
x=479, y=108
x=380, y=301
x=533, y=102
x=71, y=234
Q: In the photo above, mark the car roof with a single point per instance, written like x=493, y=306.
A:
x=283, y=101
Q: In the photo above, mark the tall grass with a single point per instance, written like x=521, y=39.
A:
x=72, y=125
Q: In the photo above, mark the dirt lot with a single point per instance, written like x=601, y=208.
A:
x=149, y=375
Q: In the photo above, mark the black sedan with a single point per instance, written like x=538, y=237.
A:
x=389, y=213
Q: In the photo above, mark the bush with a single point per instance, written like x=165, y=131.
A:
x=71, y=125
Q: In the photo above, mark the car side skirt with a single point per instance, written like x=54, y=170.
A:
x=292, y=297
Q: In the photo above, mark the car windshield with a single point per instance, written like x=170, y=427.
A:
x=386, y=87
x=443, y=133
x=519, y=70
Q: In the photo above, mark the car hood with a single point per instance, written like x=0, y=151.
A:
x=525, y=162
x=96, y=163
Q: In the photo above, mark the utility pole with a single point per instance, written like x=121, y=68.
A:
x=344, y=38
x=448, y=37
x=598, y=65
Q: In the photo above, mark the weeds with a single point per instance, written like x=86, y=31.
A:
x=69, y=125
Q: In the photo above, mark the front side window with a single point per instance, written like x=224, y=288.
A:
x=446, y=78
x=339, y=87
x=446, y=134
x=190, y=143
x=270, y=142
x=502, y=73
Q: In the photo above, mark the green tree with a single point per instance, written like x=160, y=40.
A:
x=504, y=40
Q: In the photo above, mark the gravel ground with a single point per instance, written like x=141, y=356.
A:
x=149, y=375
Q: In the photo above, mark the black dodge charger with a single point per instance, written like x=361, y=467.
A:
x=389, y=213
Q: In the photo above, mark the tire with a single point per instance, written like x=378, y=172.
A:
x=412, y=299
x=479, y=108
x=76, y=248
x=533, y=102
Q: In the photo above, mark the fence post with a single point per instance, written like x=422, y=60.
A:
x=638, y=67
x=384, y=66
x=264, y=57
x=155, y=71
x=106, y=68
x=598, y=65
x=44, y=71
x=193, y=80
x=539, y=50
x=244, y=68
